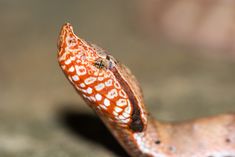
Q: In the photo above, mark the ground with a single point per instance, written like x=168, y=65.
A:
x=40, y=113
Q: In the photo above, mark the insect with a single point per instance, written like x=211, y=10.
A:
x=114, y=94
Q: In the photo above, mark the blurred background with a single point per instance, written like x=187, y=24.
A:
x=181, y=51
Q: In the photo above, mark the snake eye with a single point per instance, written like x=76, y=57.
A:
x=100, y=64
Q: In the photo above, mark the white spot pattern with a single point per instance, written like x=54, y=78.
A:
x=128, y=108
x=111, y=94
x=75, y=77
x=118, y=109
x=122, y=93
x=84, y=91
x=126, y=120
x=81, y=70
x=72, y=58
x=121, y=117
x=115, y=113
x=98, y=97
x=125, y=115
x=117, y=85
x=71, y=69
x=109, y=82
x=121, y=102
x=100, y=78
x=99, y=87
x=106, y=102
x=90, y=80
x=82, y=85
x=67, y=62
x=89, y=90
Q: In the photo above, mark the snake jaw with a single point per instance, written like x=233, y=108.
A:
x=66, y=30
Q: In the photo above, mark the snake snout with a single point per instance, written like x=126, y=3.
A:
x=66, y=30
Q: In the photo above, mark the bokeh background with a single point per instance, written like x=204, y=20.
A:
x=40, y=113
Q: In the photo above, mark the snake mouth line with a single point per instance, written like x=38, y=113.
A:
x=136, y=124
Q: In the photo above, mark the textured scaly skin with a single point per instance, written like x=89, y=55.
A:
x=113, y=93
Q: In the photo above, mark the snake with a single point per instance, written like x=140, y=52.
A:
x=113, y=92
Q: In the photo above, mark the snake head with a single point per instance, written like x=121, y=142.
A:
x=95, y=76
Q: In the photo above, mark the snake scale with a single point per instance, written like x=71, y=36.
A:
x=114, y=94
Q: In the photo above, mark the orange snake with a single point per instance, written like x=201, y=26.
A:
x=114, y=94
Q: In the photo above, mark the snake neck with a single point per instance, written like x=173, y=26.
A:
x=142, y=144
x=141, y=137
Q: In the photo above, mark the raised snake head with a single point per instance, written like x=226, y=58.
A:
x=98, y=78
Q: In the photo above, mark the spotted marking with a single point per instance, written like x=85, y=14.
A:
x=67, y=62
x=78, y=61
x=118, y=109
x=100, y=78
x=106, y=75
x=71, y=69
x=82, y=85
x=71, y=41
x=106, y=102
x=121, y=102
x=81, y=70
x=89, y=90
x=101, y=73
x=98, y=97
x=75, y=77
x=126, y=120
x=121, y=117
x=90, y=72
x=99, y=87
x=72, y=58
x=63, y=57
x=90, y=80
x=115, y=113
x=122, y=93
x=109, y=82
x=128, y=109
x=126, y=115
x=83, y=90
x=111, y=94
x=117, y=85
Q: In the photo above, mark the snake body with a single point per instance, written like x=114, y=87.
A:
x=114, y=94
